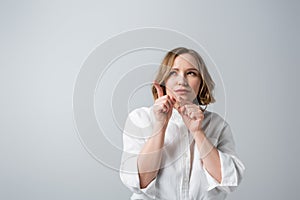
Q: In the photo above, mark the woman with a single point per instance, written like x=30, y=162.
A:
x=175, y=149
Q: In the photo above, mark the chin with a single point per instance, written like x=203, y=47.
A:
x=186, y=98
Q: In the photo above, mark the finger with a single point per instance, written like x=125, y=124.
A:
x=196, y=108
x=192, y=106
x=167, y=100
x=192, y=109
x=167, y=105
x=173, y=100
x=176, y=105
x=181, y=110
x=192, y=115
x=160, y=104
x=178, y=102
x=195, y=115
x=198, y=116
x=164, y=108
x=159, y=90
x=170, y=103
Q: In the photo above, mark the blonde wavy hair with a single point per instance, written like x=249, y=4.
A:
x=205, y=95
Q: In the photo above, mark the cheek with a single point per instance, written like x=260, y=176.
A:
x=170, y=84
x=195, y=85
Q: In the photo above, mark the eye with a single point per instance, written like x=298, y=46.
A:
x=172, y=73
x=192, y=73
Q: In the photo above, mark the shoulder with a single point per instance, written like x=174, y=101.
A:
x=140, y=112
x=214, y=118
x=215, y=127
x=141, y=116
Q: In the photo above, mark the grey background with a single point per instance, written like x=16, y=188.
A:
x=45, y=43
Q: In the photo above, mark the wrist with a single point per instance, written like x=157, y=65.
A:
x=199, y=136
x=160, y=127
x=203, y=144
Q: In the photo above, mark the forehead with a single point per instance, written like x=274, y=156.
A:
x=185, y=61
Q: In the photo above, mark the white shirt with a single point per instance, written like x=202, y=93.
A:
x=182, y=175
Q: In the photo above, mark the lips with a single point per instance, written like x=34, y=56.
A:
x=181, y=91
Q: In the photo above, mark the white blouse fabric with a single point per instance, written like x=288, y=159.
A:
x=182, y=175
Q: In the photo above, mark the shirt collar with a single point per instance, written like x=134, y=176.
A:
x=175, y=117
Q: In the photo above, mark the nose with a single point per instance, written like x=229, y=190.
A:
x=181, y=80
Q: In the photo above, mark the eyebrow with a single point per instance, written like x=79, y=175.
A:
x=176, y=69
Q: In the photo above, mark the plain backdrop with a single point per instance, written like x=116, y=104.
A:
x=43, y=45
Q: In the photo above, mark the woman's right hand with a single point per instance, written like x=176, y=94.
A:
x=163, y=106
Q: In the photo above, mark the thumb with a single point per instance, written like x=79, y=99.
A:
x=159, y=90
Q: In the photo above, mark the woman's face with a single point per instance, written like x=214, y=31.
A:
x=184, y=78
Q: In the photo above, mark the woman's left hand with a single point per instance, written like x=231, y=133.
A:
x=192, y=117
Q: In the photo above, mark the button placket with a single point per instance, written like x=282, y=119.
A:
x=187, y=162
